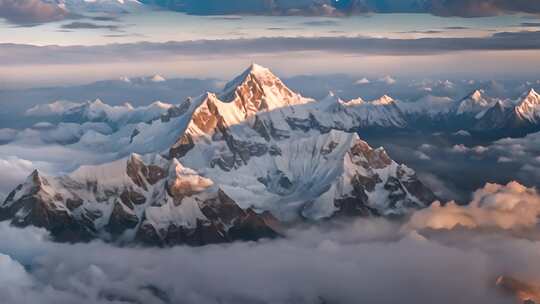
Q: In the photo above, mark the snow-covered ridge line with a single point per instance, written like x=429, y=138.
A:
x=98, y=111
x=257, y=90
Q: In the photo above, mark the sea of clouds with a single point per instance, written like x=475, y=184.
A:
x=443, y=254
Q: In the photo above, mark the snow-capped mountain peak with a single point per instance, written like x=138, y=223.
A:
x=531, y=97
x=330, y=100
x=257, y=88
x=356, y=101
x=157, y=78
x=477, y=95
x=528, y=108
x=383, y=100
x=474, y=103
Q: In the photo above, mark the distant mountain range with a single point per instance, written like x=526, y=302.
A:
x=480, y=114
x=476, y=113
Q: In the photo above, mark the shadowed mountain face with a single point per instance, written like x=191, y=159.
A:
x=225, y=167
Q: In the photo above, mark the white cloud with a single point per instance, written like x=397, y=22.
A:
x=18, y=160
x=504, y=159
x=513, y=206
x=14, y=171
x=521, y=151
x=363, y=81
x=349, y=263
x=460, y=148
x=441, y=188
x=7, y=135
x=13, y=273
x=426, y=147
x=462, y=133
x=388, y=80
x=51, y=109
x=337, y=262
x=480, y=149
x=422, y=155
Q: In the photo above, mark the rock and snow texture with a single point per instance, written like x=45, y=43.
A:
x=357, y=113
x=475, y=103
x=523, y=113
x=528, y=109
x=257, y=151
x=144, y=199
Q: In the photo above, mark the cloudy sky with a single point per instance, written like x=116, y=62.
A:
x=76, y=41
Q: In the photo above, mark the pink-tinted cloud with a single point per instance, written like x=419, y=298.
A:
x=28, y=12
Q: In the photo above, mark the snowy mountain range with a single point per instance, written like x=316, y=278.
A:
x=97, y=111
x=476, y=113
x=222, y=167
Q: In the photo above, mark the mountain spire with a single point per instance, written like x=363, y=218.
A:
x=257, y=88
x=528, y=107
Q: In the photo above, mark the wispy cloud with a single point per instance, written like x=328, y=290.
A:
x=16, y=54
x=321, y=23
x=89, y=25
x=530, y=24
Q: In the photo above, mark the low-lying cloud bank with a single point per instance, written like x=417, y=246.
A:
x=367, y=260
x=513, y=207
x=518, y=158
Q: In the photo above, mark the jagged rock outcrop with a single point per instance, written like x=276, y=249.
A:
x=144, y=199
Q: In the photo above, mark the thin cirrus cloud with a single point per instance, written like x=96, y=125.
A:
x=14, y=54
x=89, y=25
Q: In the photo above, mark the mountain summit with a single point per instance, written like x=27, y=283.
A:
x=528, y=107
x=257, y=88
x=474, y=103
